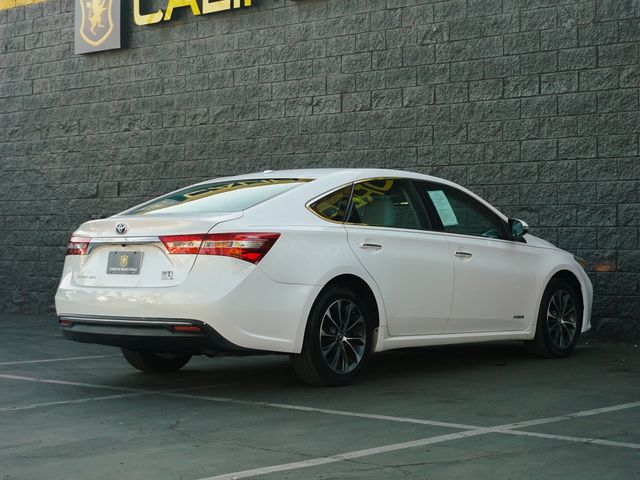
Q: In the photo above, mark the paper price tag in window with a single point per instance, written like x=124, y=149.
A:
x=443, y=207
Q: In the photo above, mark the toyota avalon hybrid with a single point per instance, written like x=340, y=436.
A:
x=327, y=266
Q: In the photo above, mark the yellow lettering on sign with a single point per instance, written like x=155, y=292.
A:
x=171, y=4
x=145, y=19
x=215, y=6
x=212, y=6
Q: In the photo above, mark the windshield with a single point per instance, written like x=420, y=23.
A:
x=229, y=196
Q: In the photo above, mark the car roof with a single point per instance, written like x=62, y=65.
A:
x=344, y=173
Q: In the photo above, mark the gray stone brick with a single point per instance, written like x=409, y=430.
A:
x=524, y=42
x=579, y=147
x=452, y=93
x=522, y=86
x=616, y=9
x=538, y=106
x=432, y=74
x=576, y=103
x=486, y=89
x=465, y=71
x=562, y=82
x=557, y=38
x=598, y=33
x=577, y=58
x=618, y=145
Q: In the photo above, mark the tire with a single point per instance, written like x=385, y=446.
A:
x=559, y=321
x=155, y=362
x=337, y=340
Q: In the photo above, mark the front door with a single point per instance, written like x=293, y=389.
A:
x=494, y=276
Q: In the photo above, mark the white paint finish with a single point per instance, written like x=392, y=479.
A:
x=493, y=286
x=414, y=273
x=48, y=360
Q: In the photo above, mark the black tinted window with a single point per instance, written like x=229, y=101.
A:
x=384, y=203
x=460, y=213
x=333, y=206
x=230, y=196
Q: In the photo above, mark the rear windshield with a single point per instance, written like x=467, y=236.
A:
x=229, y=196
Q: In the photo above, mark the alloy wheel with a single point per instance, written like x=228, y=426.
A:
x=562, y=319
x=343, y=336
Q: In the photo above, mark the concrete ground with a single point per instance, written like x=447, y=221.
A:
x=75, y=411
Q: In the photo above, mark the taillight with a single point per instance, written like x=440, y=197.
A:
x=78, y=246
x=183, y=244
x=250, y=247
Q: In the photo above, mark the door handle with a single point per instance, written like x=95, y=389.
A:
x=459, y=253
x=370, y=246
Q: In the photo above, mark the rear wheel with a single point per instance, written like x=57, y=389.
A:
x=337, y=340
x=155, y=362
x=559, y=321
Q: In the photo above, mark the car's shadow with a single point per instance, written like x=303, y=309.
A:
x=268, y=372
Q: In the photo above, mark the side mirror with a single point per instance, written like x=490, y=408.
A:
x=519, y=228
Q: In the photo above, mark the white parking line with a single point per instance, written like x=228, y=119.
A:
x=584, y=413
x=328, y=411
x=469, y=430
x=500, y=429
x=312, y=462
x=596, y=441
x=175, y=393
x=47, y=360
x=67, y=402
x=71, y=384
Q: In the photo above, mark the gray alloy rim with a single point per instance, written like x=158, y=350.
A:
x=343, y=336
x=562, y=319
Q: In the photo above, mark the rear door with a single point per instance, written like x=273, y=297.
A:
x=494, y=276
x=388, y=230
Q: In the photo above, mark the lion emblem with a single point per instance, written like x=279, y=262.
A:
x=96, y=9
x=97, y=22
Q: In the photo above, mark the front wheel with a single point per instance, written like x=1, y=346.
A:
x=559, y=321
x=337, y=340
x=155, y=362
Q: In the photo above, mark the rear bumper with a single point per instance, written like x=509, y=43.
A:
x=235, y=298
x=148, y=334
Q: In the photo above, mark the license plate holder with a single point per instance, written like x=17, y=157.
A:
x=124, y=262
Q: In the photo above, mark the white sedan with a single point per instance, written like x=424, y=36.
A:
x=325, y=265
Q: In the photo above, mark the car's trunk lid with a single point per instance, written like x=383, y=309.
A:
x=134, y=255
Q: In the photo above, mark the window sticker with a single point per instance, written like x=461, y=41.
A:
x=446, y=213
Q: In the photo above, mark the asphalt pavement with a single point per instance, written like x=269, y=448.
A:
x=78, y=411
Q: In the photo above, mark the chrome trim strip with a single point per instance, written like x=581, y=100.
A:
x=123, y=240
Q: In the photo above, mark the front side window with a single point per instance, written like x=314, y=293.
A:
x=229, y=196
x=459, y=213
x=385, y=203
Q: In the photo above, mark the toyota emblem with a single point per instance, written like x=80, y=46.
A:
x=121, y=228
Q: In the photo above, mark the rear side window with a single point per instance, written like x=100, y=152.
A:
x=230, y=196
x=334, y=206
x=385, y=203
